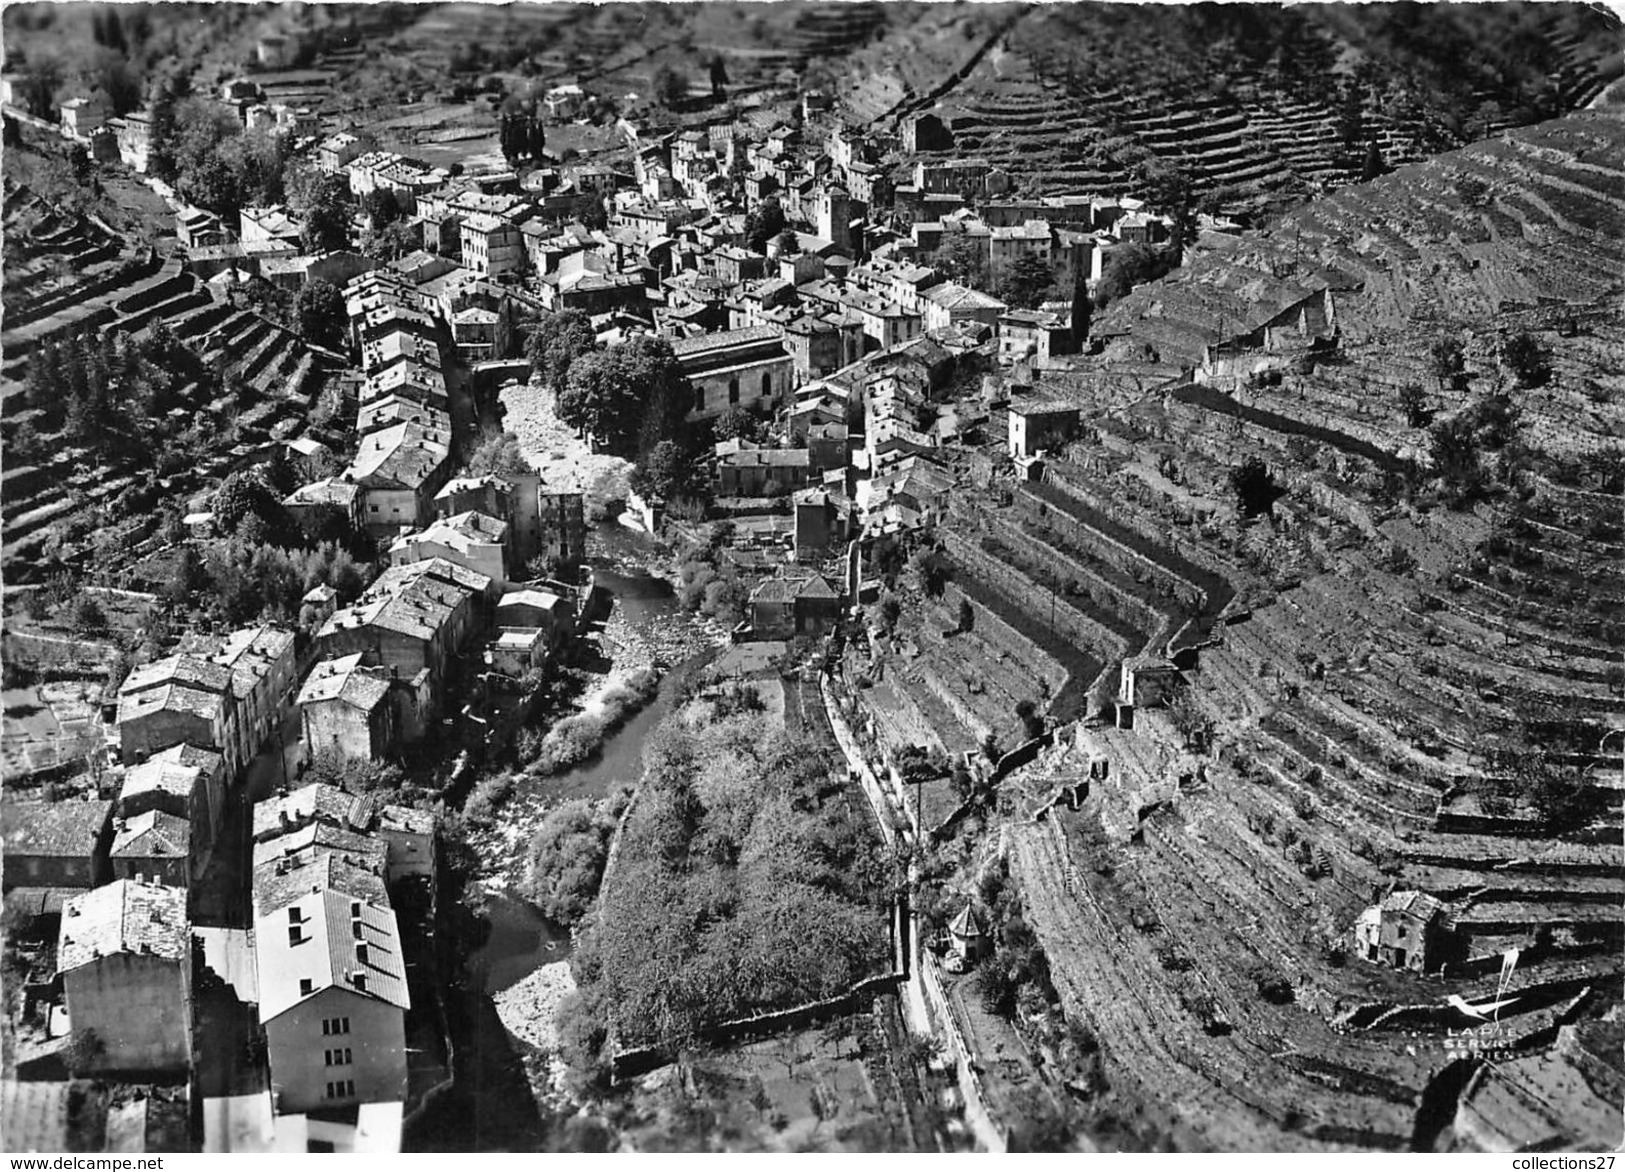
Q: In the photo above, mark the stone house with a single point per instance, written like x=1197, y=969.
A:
x=153, y=847
x=1041, y=424
x=820, y=521
x=542, y=522
x=182, y=781
x=1032, y=333
x=516, y=650
x=407, y=833
x=81, y=116
x=749, y=471
x=180, y=700
x=263, y=670
x=310, y=504
x=413, y=618
x=544, y=610
x=346, y=707
x=1406, y=930
x=125, y=957
x=56, y=844
x=782, y=607
x=950, y=304
x=492, y=245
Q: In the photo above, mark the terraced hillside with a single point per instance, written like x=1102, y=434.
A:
x=1395, y=683
x=1255, y=108
x=64, y=278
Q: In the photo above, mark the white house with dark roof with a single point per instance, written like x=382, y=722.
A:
x=125, y=958
x=333, y=1002
x=473, y=540
x=399, y=470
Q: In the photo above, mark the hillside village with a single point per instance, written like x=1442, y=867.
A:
x=1150, y=625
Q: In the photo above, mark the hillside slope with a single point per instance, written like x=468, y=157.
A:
x=1410, y=676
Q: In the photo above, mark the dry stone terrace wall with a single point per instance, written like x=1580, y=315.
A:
x=1011, y=596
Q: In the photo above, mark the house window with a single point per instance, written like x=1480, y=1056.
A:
x=306, y=986
x=1402, y=931
x=355, y=928
x=335, y=1025
x=344, y=1088
x=699, y=398
x=733, y=391
x=767, y=384
x=295, y=935
x=339, y=1057
x=374, y=508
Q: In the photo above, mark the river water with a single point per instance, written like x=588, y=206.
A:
x=645, y=626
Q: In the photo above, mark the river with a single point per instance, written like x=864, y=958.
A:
x=645, y=627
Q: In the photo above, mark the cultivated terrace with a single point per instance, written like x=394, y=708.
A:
x=812, y=577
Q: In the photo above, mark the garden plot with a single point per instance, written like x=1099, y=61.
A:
x=831, y=1089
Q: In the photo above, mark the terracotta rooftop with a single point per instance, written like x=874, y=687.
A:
x=125, y=916
x=53, y=829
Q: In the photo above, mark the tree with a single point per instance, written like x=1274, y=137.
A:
x=1255, y=489
x=321, y=314
x=789, y=243
x=1373, y=165
x=1188, y=719
x=556, y=341
x=1453, y=444
x=1495, y=421
x=327, y=219
x=669, y=86
x=567, y=857
x=1125, y=267
x=589, y=210
x=1446, y=361
x=240, y=496
x=737, y=423
x=38, y=88
x=719, y=77
x=666, y=472
x=1527, y=359
x=966, y=616
x=762, y=223
x=632, y=392
x=959, y=259
x=1083, y=311
x=499, y=455
x=1414, y=404
x=88, y=616
x=1027, y=282
x=382, y=208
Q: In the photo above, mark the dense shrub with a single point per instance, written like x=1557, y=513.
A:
x=567, y=856
x=576, y=738
x=739, y=887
